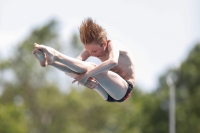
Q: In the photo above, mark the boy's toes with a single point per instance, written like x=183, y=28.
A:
x=43, y=64
x=39, y=47
x=34, y=51
x=36, y=45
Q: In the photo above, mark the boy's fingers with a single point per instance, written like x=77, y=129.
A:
x=73, y=81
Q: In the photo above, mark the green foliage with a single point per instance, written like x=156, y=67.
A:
x=28, y=78
x=188, y=93
x=12, y=119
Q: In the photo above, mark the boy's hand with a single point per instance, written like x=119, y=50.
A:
x=91, y=83
x=81, y=78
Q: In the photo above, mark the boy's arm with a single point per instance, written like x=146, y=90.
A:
x=108, y=64
x=84, y=55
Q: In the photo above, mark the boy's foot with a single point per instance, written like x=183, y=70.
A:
x=49, y=52
x=40, y=56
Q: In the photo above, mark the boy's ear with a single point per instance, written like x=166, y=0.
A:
x=104, y=44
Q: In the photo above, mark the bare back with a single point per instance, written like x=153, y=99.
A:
x=125, y=67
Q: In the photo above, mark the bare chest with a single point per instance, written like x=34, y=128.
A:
x=124, y=68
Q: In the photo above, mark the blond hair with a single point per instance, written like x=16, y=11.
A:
x=91, y=32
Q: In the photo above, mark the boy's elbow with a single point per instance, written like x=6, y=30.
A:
x=114, y=63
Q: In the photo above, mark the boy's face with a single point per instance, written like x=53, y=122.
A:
x=96, y=49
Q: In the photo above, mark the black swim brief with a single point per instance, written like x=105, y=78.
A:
x=128, y=93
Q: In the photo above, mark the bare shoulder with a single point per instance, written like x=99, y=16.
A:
x=121, y=46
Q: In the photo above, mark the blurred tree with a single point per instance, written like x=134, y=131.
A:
x=27, y=78
x=186, y=81
x=75, y=45
x=12, y=119
x=188, y=93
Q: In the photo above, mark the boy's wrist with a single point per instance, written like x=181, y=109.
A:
x=57, y=56
x=89, y=74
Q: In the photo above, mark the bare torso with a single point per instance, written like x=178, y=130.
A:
x=125, y=67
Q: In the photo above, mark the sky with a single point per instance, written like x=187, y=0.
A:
x=159, y=33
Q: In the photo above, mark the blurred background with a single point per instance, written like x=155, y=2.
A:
x=164, y=39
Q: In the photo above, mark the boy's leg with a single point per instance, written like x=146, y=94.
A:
x=113, y=84
x=52, y=56
x=92, y=84
x=104, y=86
x=110, y=81
x=99, y=89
